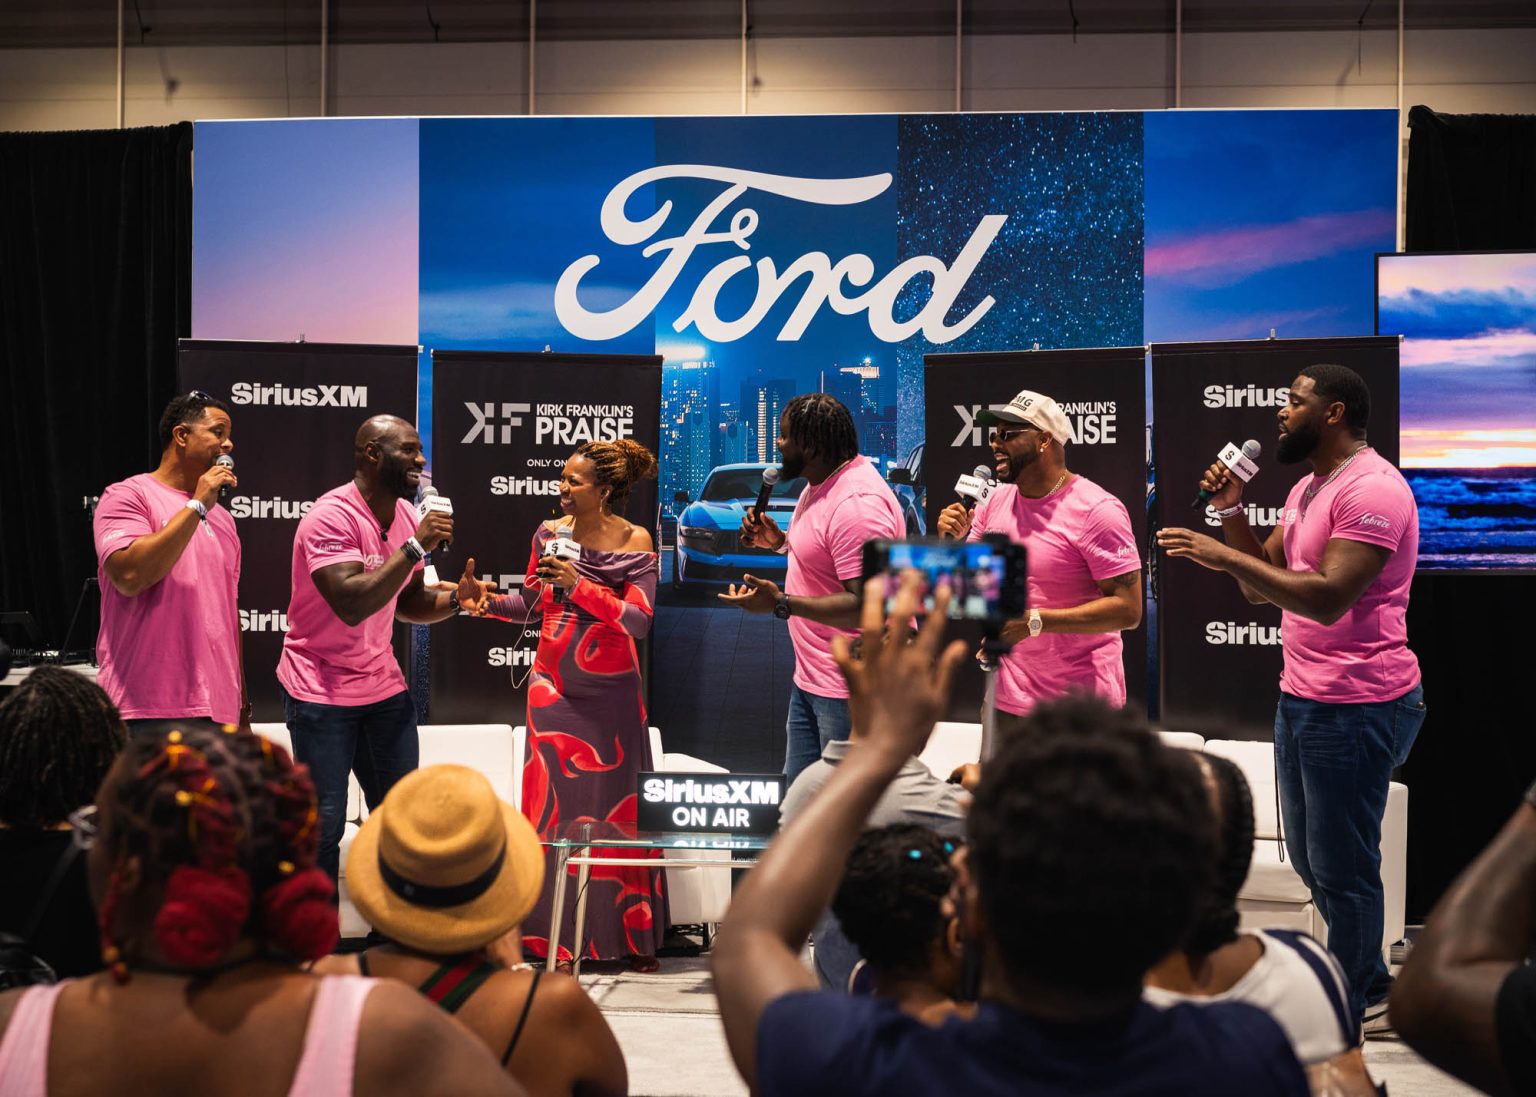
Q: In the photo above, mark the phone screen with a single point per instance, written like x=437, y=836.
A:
x=974, y=574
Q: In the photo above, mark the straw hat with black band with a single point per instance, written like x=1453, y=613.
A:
x=442, y=865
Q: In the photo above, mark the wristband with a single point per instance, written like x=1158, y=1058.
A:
x=453, y=600
x=413, y=550
x=783, y=549
x=193, y=504
x=1231, y=512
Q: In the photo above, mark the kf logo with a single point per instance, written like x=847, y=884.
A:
x=486, y=421
x=970, y=430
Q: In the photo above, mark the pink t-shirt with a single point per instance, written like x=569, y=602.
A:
x=832, y=520
x=172, y=650
x=1074, y=540
x=1363, y=657
x=324, y=659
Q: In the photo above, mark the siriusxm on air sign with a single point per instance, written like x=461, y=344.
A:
x=710, y=803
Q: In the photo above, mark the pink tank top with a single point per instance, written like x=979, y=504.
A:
x=325, y=1068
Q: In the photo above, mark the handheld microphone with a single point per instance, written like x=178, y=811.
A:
x=1239, y=462
x=770, y=477
x=973, y=487
x=430, y=500
x=224, y=460
x=563, y=547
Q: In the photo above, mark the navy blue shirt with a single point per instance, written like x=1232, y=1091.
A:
x=813, y=1043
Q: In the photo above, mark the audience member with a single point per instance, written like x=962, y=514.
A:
x=59, y=734
x=446, y=871
x=915, y=796
x=1466, y=998
x=1289, y=975
x=1090, y=843
x=202, y=864
x=891, y=907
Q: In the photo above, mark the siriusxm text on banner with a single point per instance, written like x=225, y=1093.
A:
x=1219, y=657
x=504, y=426
x=295, y=409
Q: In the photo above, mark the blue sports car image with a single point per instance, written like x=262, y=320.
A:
x=709, y=551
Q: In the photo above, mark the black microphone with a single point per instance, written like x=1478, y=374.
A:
x=770, y=477
x=974, y=487
x=224, y=460
x=1239, y=462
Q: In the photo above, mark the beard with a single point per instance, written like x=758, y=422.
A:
x=1019, y=464
x=394, y=481
x=1297, y=444
x=791, y=467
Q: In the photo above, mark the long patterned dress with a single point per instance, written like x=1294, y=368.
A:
x=587, y=740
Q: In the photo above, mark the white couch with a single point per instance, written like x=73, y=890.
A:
x=695, y=896
x=1273, y=896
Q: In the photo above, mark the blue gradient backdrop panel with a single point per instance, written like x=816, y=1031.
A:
x=1266, y=219
x=306, y=228
x=1065, y=268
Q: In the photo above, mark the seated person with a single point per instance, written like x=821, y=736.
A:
x=447, y=871
x=202, y=864
x=1466, y=998
x=890, y=907
x=59, y=734
x=915, y=796
x=1089, y=845
x=1287, y=974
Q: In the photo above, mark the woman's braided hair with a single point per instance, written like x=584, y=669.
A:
x=620, y=465
x=59, y=734
x=228, y=823
x=1216, y=919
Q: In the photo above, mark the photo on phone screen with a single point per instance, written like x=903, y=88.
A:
x=985, y=579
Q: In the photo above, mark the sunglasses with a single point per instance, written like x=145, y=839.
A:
x=1004, y=435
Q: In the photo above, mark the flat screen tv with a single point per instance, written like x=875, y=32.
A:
x=1468, y=322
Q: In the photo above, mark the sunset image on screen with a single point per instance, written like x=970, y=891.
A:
x=1468, y=323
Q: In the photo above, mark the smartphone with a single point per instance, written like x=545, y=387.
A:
x=985, y=578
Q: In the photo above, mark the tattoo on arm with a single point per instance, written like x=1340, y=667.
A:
x=1129, y=579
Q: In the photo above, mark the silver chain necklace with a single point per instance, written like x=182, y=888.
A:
x=1307, y=496
x=1057, y=486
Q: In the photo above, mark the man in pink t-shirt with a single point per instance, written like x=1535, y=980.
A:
x=845, y=504
x=1339, y=566
x=357, y=566
x=1083, y=567
x=168, y=563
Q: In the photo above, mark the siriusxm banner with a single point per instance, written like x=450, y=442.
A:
x=504, y=425
x=762, y=257
x=295, y=409
x=1219, y=657
x=1103, y=393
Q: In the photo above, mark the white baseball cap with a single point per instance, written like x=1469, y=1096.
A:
x=1031, y=409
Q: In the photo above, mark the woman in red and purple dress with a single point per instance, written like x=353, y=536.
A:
x=587, y=736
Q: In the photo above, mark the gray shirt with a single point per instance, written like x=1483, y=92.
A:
x=915, y=796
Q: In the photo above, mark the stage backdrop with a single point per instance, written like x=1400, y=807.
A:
x=763, y=257
x=1219, y=657
x=504, y=425
x=295, y=409
x=1103, y=392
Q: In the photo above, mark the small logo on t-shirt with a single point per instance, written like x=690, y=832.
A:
x=1290, y=516
x=372, y=562
x=332, y=546
x=1122, y=551
x=112, y=535
x=1377, y=520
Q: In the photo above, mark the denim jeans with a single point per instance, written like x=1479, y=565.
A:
x=377, y=741
x=1333, y=764
x=814, y=721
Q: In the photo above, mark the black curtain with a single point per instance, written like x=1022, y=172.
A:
x=95, y=289
x=1471, y=181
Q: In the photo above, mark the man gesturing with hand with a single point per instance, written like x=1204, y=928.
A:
x=357, y=566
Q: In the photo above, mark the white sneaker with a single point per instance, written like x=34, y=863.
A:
x=1377, y=1024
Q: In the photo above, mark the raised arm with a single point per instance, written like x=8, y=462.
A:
x=632, y=611
x=896, y=691
x=522, y=604
x=1445, y=1002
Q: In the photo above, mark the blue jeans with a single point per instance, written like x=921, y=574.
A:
x=814, y=721
x=1333, y=764
x=377, y=741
